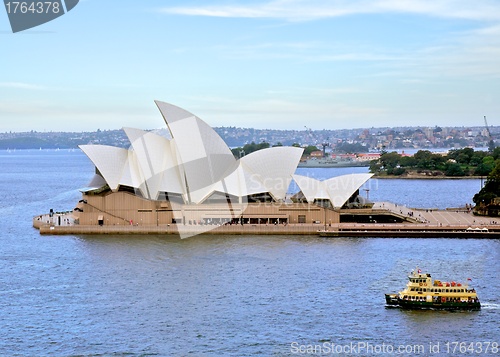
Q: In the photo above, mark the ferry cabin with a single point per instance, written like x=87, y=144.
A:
x=420, y=288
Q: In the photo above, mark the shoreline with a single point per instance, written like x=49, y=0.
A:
x=419, y=223
x=342, y=230
x=426, y=177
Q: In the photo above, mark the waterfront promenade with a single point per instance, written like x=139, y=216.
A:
x=458, y=222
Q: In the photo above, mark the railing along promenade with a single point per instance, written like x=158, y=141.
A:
x=250, y=229
x=340, y=230
x=420, y=223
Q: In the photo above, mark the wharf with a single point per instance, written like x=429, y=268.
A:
x=387, y=231
x=422, y=223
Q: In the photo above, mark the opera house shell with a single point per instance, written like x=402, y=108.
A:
x=190, y=177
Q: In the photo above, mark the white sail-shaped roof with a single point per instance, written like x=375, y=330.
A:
x=308, y=185
x=109, y=160
x=264, y=171
x=155, y=159
x=132, y=174
x=273, y=168
x=203, y=156
x=337, y=189
x=195, y=163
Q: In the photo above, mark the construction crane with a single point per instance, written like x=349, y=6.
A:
x=491, y=143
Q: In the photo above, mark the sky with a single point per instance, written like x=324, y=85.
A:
x=271, y=64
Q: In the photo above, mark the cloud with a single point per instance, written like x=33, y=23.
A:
x=20, y=85
x=304, y=10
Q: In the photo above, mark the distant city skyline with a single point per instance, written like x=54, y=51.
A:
x=282, y=64
x=347, y=140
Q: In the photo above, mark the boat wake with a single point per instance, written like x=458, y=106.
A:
x=490, y=306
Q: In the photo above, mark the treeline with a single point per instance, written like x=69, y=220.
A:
x=30, y=143
x=249, y=148
x=458, y=162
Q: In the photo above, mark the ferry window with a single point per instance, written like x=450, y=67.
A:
x=447, y=290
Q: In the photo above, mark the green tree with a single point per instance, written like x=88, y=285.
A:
x=485, y=167
x=478, y=157
x=390, y=161
x=453, y=169
x=429, y=161
x=375, y=166
x=398, y=171
x=491, y=188
x=249, y=148
x=423, y=159
x=309, y=149
x=462, y=156
x=238, y=152
x=408, y=161
x=496, y=153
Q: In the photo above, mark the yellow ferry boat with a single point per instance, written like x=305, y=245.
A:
x=423, y=293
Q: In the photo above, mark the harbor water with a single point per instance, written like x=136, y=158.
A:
x=228, y=295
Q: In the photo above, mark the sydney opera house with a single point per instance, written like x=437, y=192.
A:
x=190, y=177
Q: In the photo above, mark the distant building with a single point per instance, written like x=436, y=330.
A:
x=368, y=156
x=317, y=153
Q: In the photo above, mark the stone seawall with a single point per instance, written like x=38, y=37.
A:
x=457, y=223
x=188, y=230
x=343, y=230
